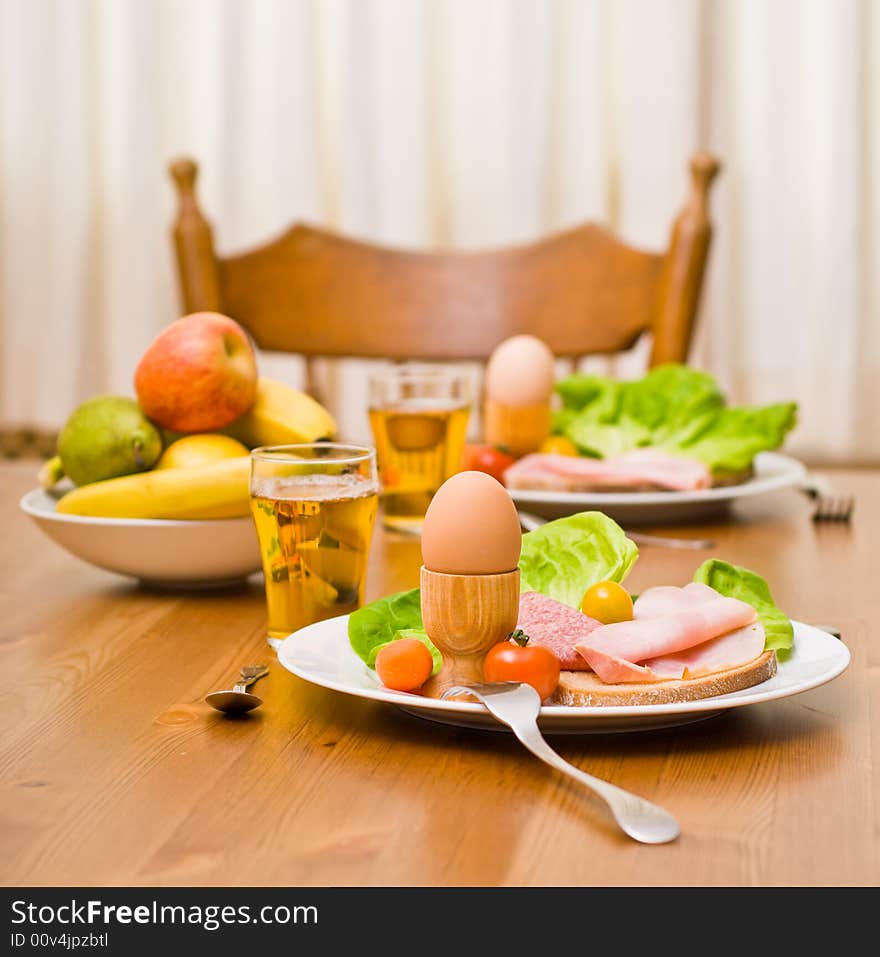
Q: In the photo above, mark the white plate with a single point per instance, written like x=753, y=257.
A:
x=772, y=471
x=322, y=655
x=182, y=554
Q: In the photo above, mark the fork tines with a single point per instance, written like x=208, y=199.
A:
x=834, y=508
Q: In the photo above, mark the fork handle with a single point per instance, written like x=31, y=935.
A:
x=665, y=542
x=623, y=805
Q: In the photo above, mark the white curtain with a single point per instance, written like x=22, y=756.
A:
x=454, y=124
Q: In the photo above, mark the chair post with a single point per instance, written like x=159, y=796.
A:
x=684, y=267
x=194, y=244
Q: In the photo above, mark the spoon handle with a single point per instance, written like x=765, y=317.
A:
x=249, y=675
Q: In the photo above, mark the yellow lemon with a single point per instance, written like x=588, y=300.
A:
x=193, y=451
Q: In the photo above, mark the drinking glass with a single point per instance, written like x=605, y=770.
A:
x=419, y=419
x=314, y=507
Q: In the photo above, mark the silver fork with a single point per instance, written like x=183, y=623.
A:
x=830, y=506
x=517, y=706
x=530, y=522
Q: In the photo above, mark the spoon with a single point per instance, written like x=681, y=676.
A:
x=239, y=700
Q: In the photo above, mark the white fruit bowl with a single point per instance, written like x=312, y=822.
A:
x=180, y=554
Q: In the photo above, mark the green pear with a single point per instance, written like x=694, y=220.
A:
x=106, y=437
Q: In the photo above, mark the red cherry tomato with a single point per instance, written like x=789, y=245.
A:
x=390, y=476
x=486, y=458
x=531, y=664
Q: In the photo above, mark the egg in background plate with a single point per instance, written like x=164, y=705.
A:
x=519, y=387
x=471, y=527
x=520, y=371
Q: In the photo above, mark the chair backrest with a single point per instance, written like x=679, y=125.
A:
x=583, y=291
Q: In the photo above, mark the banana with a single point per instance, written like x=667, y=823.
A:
x=51, y=472
x=281, y=415
x=217, y=490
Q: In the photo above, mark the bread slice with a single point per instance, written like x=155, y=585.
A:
x=585, y=689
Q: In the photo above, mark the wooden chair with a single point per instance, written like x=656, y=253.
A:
x=320, y=294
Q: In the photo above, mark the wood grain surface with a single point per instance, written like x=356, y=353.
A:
x=113, y=771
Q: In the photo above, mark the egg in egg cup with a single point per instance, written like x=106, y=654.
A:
x=471, y=541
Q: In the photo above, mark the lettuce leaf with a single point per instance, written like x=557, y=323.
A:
x=561, y=418
x=669, y=394
x=601, y=441
x=376, y=624
x=748, y=586
x=582, y=389
x=733, y=437
x=673, y=407
x=562, y=559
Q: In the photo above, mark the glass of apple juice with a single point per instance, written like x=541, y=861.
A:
x=419, y=417
x=314, y=507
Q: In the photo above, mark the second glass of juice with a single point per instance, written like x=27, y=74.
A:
x=419, y=419
x=314, y=507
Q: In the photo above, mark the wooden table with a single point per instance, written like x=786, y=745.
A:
x=113, y=771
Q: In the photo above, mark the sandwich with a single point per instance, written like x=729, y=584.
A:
x=681, y=644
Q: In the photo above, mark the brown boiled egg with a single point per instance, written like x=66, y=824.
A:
x=471, y=527
x=520, y=372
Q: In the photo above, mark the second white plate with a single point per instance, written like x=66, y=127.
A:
x=773, y=471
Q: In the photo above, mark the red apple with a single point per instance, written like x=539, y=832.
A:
x=198, y=375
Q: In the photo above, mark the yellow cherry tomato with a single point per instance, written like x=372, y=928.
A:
x=558, y=445
x=607, y=602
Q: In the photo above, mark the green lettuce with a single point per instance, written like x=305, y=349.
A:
x=598, y=441
x=733, y=437
x=673, y=407
x=582, y=389
x=606, y=416
x=562, y=559
x=670, y=395
x=376, y=624
x=736, y=582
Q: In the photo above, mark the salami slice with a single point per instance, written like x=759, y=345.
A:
x=549, y=623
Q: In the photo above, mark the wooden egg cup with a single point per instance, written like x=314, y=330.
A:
x=464, y=615
x=519, y=428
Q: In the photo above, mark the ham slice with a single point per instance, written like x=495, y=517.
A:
x=668, y=622
x=663, y=599
x=735, y=648
x=549, y=623
x=727, y=651
x=639, y=469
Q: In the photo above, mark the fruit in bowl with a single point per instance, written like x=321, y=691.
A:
x=198, y=375
x=193, y=451
x=282, y=415
x=105, y=437
x=215, y=490
x=182, y=515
